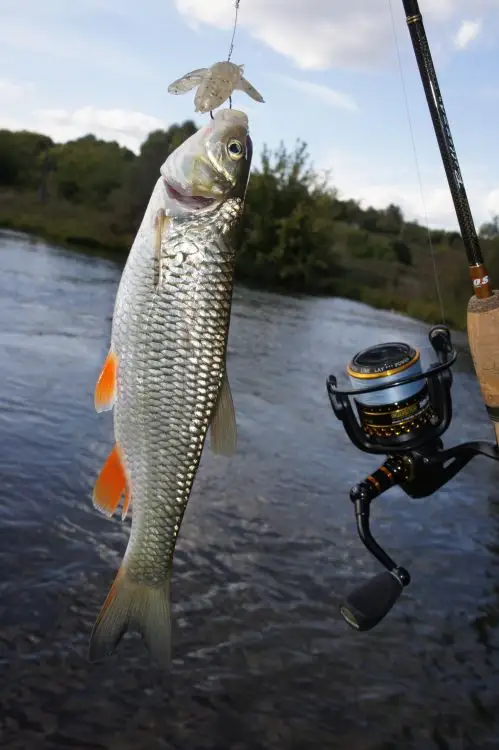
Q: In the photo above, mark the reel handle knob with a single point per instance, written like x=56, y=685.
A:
x=368, y=604
x=441, y=342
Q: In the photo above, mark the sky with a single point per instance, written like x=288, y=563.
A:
x=340, y=76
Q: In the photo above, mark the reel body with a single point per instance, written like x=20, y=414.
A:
x=397, y=409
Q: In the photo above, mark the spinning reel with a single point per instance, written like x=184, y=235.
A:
x=396, y=409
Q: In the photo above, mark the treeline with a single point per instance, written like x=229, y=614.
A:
x=299, y=235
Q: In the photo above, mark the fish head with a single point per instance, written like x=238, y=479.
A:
x=212, y=165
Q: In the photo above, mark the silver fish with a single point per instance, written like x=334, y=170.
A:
x=215, y=85
x=165, y=373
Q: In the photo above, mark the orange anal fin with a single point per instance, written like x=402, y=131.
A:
x=110, y=485
x=105, y=390
x=126, y=504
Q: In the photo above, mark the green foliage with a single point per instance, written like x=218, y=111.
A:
x=288, y=227
x=414, y=234
x=21, y=157
x=402, y=252
x=490, y=230
x=88, y=170
x=391, y=220
x=130, y=199
x=298, y=235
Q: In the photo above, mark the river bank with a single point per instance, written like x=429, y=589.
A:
x=62, y=222
x=78, y=226
x=299, y=234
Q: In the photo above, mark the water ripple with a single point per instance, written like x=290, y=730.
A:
x=267, y=549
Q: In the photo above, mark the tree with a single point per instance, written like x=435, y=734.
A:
x=390, y=220
x=87, y=170
x=288, y=232
x=369, y=219
x=490, y=229
x=130, y=200
x=402, y=252
x=20, y=162
x=298, y=235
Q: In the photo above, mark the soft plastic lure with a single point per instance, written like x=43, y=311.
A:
x=215, y=85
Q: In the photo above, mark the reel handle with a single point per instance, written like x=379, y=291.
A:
x=368, y=604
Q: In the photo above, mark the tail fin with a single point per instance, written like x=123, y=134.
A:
x=127, y=603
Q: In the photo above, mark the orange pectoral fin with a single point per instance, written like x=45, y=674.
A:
x=110, y=485
x=105, y=390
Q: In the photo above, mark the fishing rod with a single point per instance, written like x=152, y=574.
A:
x=483, y=307
x=397, y=409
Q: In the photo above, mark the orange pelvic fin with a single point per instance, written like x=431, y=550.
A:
x=105, y=390
x=110, y=485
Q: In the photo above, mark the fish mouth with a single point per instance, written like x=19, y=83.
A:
x=188, y=200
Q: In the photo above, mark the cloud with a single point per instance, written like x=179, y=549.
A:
x=437, y=208
x=375, y=182
x=10, y=92
x=492, y=202
x=315, y=35
x=329, y=96
x=19, y=112
x=319, y=34
x=127, y=127
x=52, y=38
x=467, y=33
x=16, y=102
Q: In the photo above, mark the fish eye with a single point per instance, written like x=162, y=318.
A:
x=235, y=149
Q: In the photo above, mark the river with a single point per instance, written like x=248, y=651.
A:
x=268, y=547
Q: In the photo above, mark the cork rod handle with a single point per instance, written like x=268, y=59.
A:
x=483, y=337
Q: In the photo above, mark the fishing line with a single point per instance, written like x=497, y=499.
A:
x=234, y=28
x=418, y=171
x=231, y=45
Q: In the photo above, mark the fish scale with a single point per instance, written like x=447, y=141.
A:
x=165, y=373
x=176, y=406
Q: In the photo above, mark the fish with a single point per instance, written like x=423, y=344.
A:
x=215, y=85
x=165, y=376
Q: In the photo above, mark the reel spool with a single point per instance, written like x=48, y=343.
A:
x=397, y=413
